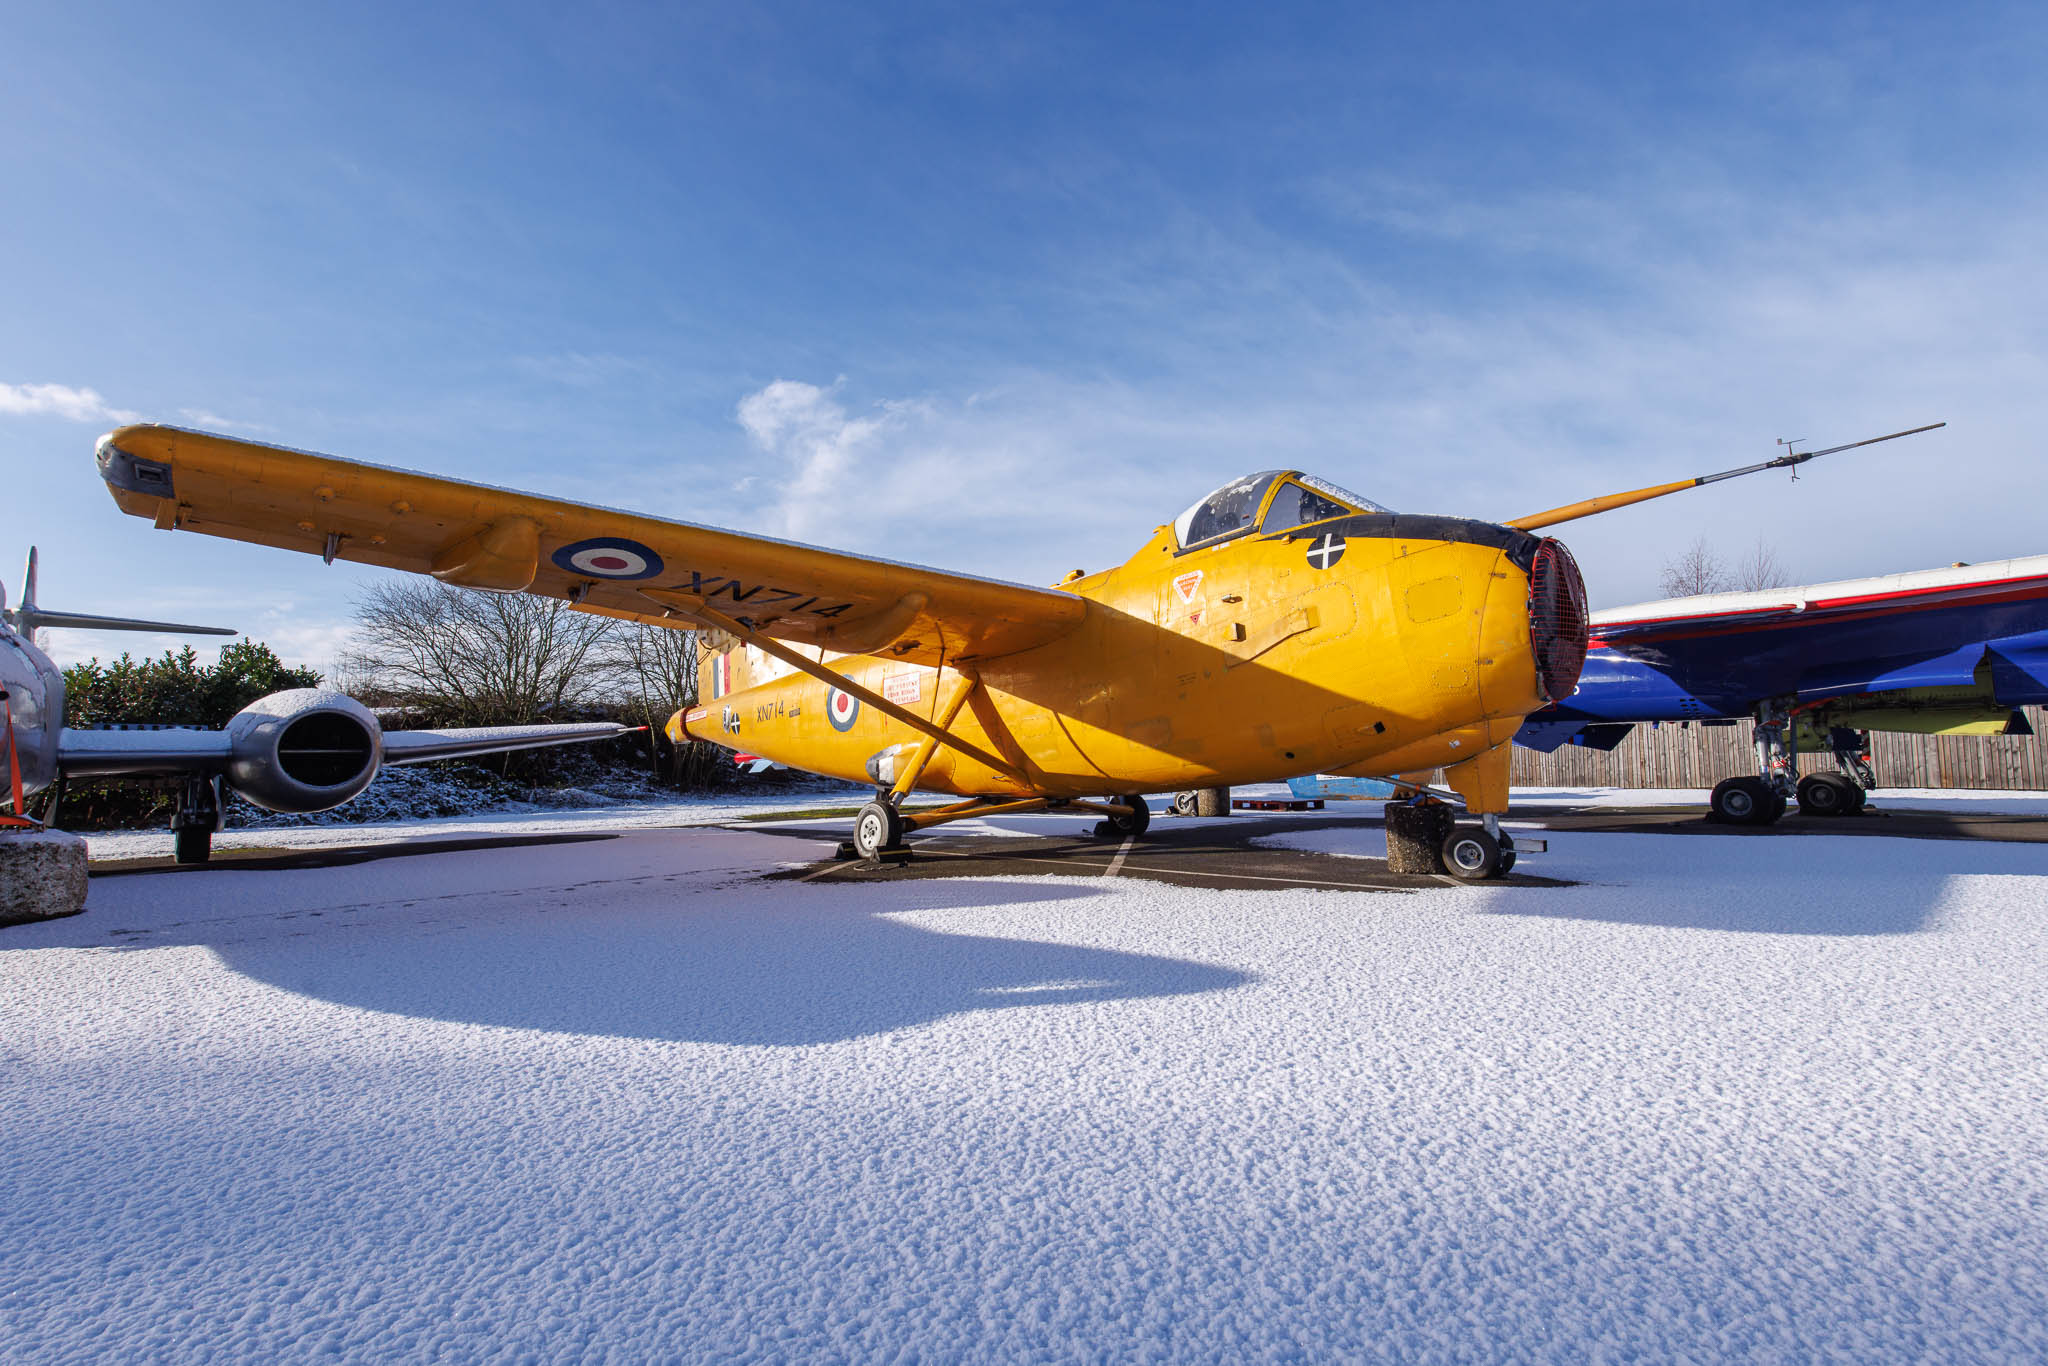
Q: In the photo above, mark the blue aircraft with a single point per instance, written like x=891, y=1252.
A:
x=1940, y=652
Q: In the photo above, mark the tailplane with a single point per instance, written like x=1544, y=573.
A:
x=28, y=618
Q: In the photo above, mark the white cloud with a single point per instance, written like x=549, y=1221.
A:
x=199, y=417
x=809, y=432
x=60, y=400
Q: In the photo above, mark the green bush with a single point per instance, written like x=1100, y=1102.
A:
x=175, y=689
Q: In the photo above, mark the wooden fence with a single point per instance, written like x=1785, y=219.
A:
x=1689, y=754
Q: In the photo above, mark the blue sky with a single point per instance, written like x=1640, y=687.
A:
x=1001, y=288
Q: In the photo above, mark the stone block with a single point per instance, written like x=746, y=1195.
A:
x=42, y=875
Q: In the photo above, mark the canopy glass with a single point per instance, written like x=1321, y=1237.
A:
x=1272, y=501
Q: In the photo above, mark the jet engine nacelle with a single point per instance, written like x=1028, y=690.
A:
x=307, y=749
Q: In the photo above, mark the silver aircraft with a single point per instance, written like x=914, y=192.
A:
x=305, y=749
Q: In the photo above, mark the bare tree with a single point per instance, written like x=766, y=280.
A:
x=472, y=658
x=654, y=668
x=1693, y=571
x=1760, y=569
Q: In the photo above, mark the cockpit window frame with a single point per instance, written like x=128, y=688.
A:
x=1273, y=479
x=1276, y=480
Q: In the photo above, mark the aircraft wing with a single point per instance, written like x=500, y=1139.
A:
x=606, y=561
x=140, y=752
x=1903, y=598
x=160, y=751
x=421, y=746
x=1718, y=655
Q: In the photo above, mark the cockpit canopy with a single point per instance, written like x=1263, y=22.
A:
x=1271, y=501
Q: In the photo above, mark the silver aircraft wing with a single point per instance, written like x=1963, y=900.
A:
x=144, y=752
x=418, y=746
x=140, y=752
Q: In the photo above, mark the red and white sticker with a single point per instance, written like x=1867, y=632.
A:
x=903, y=689
x=1187, y=585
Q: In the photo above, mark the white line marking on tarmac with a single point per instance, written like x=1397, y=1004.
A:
x=1118, y=861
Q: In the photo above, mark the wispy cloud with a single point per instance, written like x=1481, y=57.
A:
x=807, y=431
x=199, y=417
x=60, y=400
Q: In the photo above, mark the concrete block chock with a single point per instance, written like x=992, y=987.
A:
x=42, y=875
x=1415, y=836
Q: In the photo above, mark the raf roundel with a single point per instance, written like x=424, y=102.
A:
x=609, y=557
x=841, y=709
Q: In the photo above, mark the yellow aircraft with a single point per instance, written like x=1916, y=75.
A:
x=1279, y=626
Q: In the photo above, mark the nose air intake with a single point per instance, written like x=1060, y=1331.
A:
x=1557, y=619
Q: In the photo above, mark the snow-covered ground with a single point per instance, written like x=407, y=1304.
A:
x=1726, y=1100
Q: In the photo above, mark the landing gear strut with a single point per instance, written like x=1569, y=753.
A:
x=881, y=824
x=197, y=816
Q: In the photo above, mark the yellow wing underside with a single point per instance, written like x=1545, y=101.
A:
x=609, y=562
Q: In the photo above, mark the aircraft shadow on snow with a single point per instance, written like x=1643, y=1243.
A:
x=734, y=965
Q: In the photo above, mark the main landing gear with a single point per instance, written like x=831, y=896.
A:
x=1762, y=799
x=880, y=826
x=196, y=817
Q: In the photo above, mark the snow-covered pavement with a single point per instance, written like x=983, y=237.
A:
x=1749, y=1100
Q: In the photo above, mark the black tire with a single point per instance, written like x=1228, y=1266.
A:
x=1745, y=801
x=1471, y=855
x=1862, y=796
x=875, y=828
x=1507, y=854
x=1134, y=824
x=1828, y=794
x=192, y=844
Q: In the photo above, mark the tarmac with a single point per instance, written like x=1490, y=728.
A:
x=1217, y=852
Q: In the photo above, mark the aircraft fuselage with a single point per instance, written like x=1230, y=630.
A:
x=1390, y=642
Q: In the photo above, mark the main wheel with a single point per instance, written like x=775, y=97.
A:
x=1135, y=823
x=876, y=828
x=1745, y=801
x=192, y=844
x=1507, y=853
x=1828, y=794
x=1471, y=855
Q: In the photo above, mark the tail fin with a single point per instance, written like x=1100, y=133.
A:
x=29, y=618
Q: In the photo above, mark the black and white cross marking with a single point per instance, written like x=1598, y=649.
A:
x=1327, y=551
